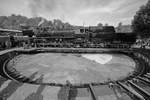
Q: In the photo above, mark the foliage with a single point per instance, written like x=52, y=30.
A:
x=141, y=22
x=100, y=25
x=16, y=21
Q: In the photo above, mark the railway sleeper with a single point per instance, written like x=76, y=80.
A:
x=144, y=80
x=131, y=91
x=26, y=80
x=21, y=78
x=147, y=76
x=11, y=74
x=12, y=69
x=31, y=82
x=140, y=90
x=14, y=75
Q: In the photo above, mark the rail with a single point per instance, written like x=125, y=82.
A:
x=141, y=74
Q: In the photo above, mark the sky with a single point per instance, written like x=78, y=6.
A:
x=76, y=12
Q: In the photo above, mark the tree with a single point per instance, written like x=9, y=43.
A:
x=141, y=21
x=120, y=24
x=100, y=25
x=106, y=24
x=118, y=28
x=21, y=22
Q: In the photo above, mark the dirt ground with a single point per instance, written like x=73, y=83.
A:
x=77, y=68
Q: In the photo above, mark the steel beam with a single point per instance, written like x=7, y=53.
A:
x=144, y=80
x=92, y=92
x=140, y=90
x=131, y=90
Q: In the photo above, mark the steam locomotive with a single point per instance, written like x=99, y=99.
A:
x=86, y=37
x=92, y=37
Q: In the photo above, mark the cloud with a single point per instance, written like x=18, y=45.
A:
x=68, y=6
x=109, y=8
x=75, y=11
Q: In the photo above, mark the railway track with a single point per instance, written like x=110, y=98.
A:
x=135, y=91
x=129, y=85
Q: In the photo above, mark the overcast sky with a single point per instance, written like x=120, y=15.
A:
x=76, y=12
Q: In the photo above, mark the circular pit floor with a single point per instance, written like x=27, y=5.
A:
x=76, y=68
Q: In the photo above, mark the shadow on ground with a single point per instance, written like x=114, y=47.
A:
x=11, y=88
